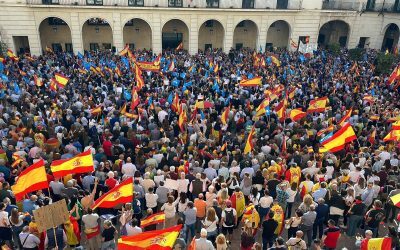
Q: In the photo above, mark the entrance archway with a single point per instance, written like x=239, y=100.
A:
x=55, y=34
x=137, y=34
x=278, y=35
x=174, y=32
x=335, y=31
x=391, y=38
x=97, y=35
x=211, y=35
x=245, y=35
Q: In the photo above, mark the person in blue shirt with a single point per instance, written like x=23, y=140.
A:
x=322, y=216
x=28, y=205
x=320, y=193
x=5, y=170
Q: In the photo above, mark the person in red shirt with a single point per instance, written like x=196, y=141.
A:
x=331, y=235
x=111, y=182
x=107, y=145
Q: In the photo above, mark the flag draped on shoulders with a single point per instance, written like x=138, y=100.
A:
x=249, y=142
x=120, y=194
x=31, y=179
x=152, y=240
x=377, y=244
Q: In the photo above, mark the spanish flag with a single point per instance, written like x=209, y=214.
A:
x=338, y=140
x=317, y=105
x=153, y=219
x=139, y=78
x=396, y=200
x=225, y=115
x=203, y=104
x=395, y=75
x=53, y=85
x=275, y=61
x=31, y=179
x=192, y=245
x=135, y=99
x=11, y=55
x=396, y=125
x=393, y=135
x=345, y=117
x=224, y=147
x=126, y=114
x=153, y=240
x=369, y=98
x=49, y=50
x=216, y=68
x=131, y=56
x=297, y=114
x=38, y=81
x=374, y=117
x=61, y=80
x=120, y=194
x=256, y=81
x=96, y=111
x=171, y=66
x=182, y=119
x=180, y=46
x=81, y=163
x=17, y=160
x=377, y=244
x=371, y=138
x=261, y=108
x=325, y=130
x=279, y=216
x=118, y=71
x=175, y=103
x=124, y=51
x=291, y=92
x=249, y=142
x=281, y=109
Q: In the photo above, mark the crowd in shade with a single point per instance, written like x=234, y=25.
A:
x=240, y=150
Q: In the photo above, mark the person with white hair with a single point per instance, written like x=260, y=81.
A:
x=202, y=243
x=128, y=169
x=183, y=183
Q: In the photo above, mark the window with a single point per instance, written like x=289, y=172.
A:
x=343, y=41
x=212, y=3
x=370, y=5
x=364, y=41
x=239, y=46
x=248, y=4
x=107, y=45
x=241, y=24
x=94, y=46
x=131, y=46
x=68, y=47
x=282, y=4
x=56, y=21
x=210, y=23
x=136, y=2
x=175, y=3
x=94, y=2
x=50, y=1
x=97, y=21
x=269, y=47
x=208, y=46
x=56, y=47
x=396, y=6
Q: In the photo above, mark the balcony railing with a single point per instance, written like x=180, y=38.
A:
x=341, y=5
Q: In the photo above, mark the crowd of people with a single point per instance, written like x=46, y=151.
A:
x=283, y=194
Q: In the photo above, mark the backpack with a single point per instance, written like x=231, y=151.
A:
x=229, y=218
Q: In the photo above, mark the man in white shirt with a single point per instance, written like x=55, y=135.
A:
x=202, y=243
x=132, y=228
x=28, y=240
x=128, y=169
x=182, y=184
x=151, y=200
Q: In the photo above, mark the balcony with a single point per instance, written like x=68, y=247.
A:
x=354, y=5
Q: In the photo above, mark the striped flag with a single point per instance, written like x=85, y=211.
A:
x=255, y=82
x=81, y=163
x=153, y=219
x=249, y=142
x=31, y=179
x=61, y=80
x=338, y=140
x=120, y=194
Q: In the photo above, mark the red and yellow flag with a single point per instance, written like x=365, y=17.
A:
x=182, y=119
x=317, y=105
x=281, y=109
x=81, y=163
x=279, y=216
x=175, y=103
x=369, y=98
x=338, y=140
x=124, y=51
x=96, y=111
x=371, y=138
x=31, y=179
x=395, y=75
x=225, y=115
x=393, y=135
x=126, y=114
x=249, y=142
x=11, y=55
x=61, y=80
x=275, y=61
x=396, y=125
x=396, y=200
x=153, y=240
x=216, y=68
x=135, y=99
x=345, y=117
x=153, y=219
x=203, y=104
x=139, y=78
x=256, y=81
x=377, y=244
x=297, y=114
x=120, y=194
x=192, y=245
x=53, y=85
x=261, y=108
x=224, y=147
x=38, y=81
